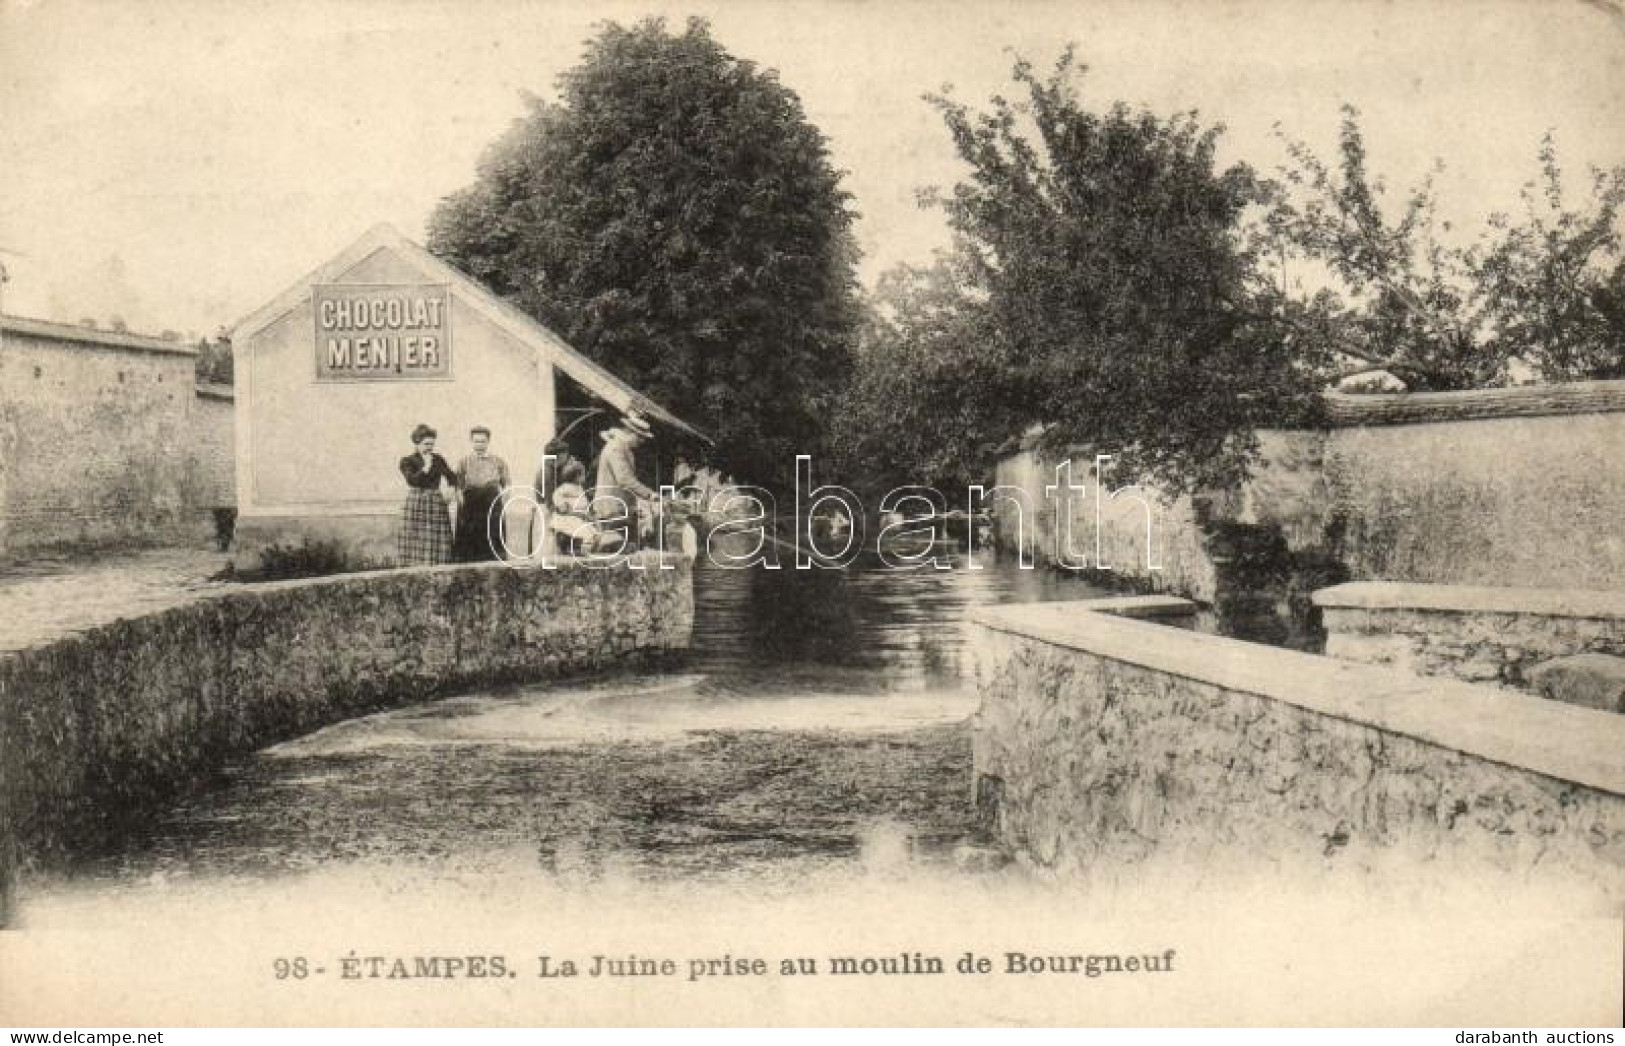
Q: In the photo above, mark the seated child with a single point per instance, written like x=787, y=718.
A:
x=573, y=527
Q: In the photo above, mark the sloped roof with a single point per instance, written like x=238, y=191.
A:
x=591, y=376
x=94, y=336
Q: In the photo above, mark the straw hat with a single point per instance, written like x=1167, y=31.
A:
x=635, y=424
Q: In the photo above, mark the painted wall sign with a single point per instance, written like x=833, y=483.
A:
x=382, y=332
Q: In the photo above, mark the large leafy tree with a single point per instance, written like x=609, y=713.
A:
x=1115, y=265
x=676, y=216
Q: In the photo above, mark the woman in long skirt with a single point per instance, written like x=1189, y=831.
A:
x=425, y=536
x=484, y=480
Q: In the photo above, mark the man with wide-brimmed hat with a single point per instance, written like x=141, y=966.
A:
x=617, y=491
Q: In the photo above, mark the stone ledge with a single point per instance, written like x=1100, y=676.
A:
x=644, y=559
x=1560, y=741
x=214, y=390
x=1546, y=602
x=158, y=601
x=1587, y=680
x=1139, y=606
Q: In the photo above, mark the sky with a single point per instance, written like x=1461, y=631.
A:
x=180, y=162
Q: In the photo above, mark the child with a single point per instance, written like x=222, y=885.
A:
x=577, y=534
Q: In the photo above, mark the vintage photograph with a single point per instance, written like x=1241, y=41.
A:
x=812, y=513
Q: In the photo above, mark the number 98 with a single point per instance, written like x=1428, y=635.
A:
x=297, y=969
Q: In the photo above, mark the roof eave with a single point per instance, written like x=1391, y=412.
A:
x=590, y=375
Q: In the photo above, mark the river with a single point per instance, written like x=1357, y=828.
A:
x=788, y=798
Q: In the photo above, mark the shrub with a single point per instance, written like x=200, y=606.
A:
x=308, y=559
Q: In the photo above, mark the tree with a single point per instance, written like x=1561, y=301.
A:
x=1120, y=280
x=1554, y=285
x=676, y=217
x=1549, y=291
x=214, y=360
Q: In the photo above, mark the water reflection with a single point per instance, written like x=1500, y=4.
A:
x=866, y=628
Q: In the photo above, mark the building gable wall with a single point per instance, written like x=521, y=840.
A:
x=329, y=449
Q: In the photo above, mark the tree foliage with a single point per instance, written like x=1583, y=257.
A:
x=918, y=409
x=1111, y=283
x=214, y=360
x=676, y=216
x=1548, y=290
x=1554, y=283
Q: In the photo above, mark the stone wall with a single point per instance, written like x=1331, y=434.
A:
x=1517, y=487
x=1487, y=635
x=98, y=726
x=1528, y=502
x=1111, y=747
x=103, y=438
x=214, y=463
x=1177, y=559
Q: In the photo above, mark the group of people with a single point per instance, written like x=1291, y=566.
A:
x=566, y=515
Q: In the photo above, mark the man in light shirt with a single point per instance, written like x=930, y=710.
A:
x=617, y=491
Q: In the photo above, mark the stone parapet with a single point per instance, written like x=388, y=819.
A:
x=1110, y=744
x=1469, y=632
x=99, y=725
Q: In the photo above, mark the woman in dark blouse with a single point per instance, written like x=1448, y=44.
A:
x=425, y=536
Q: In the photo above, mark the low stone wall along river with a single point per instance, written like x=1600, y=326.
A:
x=97, y=726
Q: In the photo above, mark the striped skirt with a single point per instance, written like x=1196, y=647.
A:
x=425, y=536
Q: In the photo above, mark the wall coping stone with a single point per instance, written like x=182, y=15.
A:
x=648, y=559
x=1523, y=401
x=1354, y=410
x=1140, y=606
x=214, y=390
x=67, y=332
x=1486, y=599
x=167, y=601
x=1561, y=741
